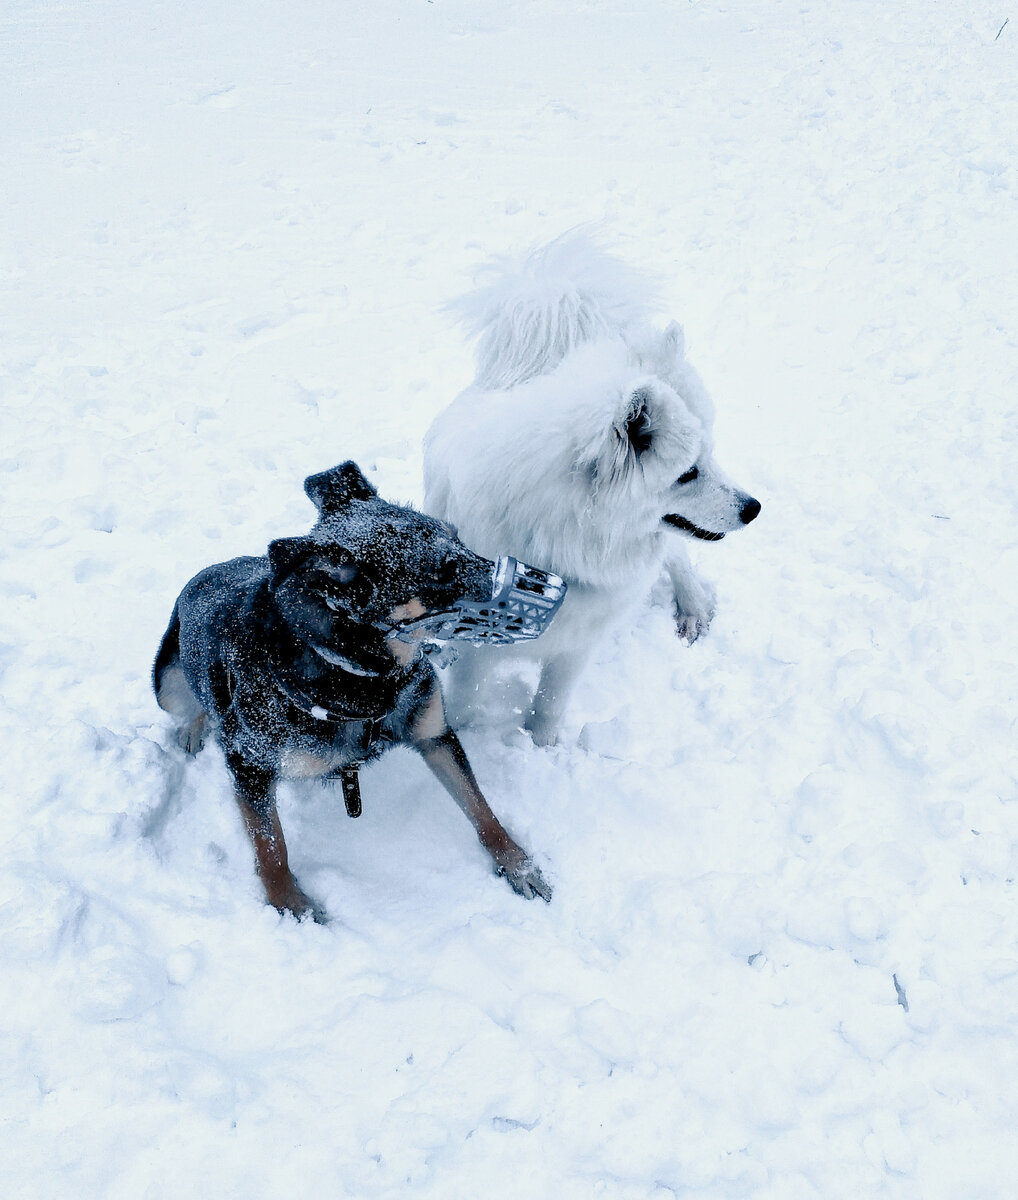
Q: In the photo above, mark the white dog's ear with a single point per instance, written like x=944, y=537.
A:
x=638, y=426
x=673, y=341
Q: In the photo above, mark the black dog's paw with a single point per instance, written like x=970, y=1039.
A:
x=295, y=903
x=526, y=880
x=316, y=913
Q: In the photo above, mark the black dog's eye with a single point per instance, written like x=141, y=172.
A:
x=330, y=581
x=689, y=476
x=446, y=573
x=344, y=572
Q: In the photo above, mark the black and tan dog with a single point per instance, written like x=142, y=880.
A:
x=290, y=661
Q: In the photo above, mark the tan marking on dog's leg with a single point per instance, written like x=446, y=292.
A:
x=430, y=721
x=255, y=794
x=448, y=761
x=403, y=652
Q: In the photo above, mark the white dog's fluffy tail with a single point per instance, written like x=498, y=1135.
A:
x=528, y=315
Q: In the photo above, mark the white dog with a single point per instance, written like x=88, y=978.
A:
x=584, y=447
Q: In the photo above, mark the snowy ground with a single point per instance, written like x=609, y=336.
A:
x=782, y=957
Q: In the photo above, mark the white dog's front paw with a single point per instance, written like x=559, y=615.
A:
x=694, y=610
x=690, y=628
x=543, y=732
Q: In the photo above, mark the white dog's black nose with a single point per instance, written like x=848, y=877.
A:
x=749, y=510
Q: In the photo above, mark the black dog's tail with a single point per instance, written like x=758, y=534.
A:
x=173, y=692
x=168, y=656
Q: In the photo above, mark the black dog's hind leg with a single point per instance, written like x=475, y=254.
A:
x=447, y=759
x=173, y=692
x=191, y=737
x=256, y=798
x=168, y=654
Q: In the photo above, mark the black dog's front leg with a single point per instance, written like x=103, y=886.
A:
x=255, y=792
x=447, y=759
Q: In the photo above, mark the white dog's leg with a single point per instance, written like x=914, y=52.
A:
x=468, y=680
x=557, y=678
x=695, y=597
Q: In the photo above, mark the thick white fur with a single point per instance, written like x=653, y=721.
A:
x=535, y=458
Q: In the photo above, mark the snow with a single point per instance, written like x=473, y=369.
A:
x=782, y=956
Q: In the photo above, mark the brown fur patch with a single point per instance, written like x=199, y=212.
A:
x=404, y=652
x=407, y=612
x=430, y=721
x=299, y=764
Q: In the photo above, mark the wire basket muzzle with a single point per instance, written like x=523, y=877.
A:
x=523, y=601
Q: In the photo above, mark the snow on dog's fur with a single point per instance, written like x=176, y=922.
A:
x=583, y=446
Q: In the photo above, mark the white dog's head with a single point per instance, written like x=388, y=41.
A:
x=586, y=440
x=647, y=446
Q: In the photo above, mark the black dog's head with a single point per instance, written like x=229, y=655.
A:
x=368, y=564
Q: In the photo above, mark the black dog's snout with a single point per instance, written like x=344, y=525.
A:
x=749, y=511
x=475, y=579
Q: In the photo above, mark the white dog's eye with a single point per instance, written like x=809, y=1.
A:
x=689, y=476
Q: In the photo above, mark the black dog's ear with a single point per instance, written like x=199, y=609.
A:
x=285, y=554
x=638, y=429
x=331, y=491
